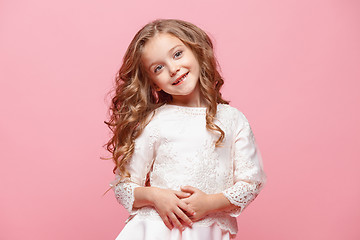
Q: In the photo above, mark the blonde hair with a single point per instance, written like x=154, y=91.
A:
x=135, y=98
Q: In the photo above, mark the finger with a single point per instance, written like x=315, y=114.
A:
x=188, y=189
x=186, y=208
x=194, y=219
x=182, y=217
x=186, y=200
x=182, y=194
x=176, y=221
x=167, y=223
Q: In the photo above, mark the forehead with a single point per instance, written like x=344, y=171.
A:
x=158, y=47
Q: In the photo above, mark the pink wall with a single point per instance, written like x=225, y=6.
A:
x=293, y=67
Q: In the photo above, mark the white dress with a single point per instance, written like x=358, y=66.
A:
x=175, y=149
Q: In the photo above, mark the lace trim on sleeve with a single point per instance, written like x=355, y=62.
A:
x=241, y=195
x=124, y=193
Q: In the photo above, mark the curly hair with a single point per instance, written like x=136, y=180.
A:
x=135, y=97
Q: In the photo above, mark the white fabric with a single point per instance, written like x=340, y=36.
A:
x=176, y=149
x=142, y=229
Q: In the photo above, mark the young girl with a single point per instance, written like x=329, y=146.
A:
x=186, y=162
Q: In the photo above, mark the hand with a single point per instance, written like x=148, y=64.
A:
x=170, y=207
x=198, y=201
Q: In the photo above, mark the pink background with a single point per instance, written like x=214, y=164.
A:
x=293, y=68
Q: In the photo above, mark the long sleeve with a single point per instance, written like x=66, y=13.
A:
x=248, y=174
x=138, y=166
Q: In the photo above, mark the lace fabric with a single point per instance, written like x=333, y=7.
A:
x=124, y=193
x=176, y=149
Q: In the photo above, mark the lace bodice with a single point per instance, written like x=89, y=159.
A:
x=176, y=149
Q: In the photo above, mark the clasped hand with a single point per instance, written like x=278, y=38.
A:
x=198, y=201
x=177, y=208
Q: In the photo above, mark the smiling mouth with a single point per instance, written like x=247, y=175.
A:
x=180, y=79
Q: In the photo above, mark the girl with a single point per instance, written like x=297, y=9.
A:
x=186, y=162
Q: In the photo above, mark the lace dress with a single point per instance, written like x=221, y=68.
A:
x=175, y=149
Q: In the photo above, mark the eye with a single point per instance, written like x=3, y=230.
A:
x=158, y=68
x=178, y=54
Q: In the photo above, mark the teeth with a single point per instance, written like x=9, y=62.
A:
x=182, y=78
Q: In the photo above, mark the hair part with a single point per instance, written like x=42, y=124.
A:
x=135, y=97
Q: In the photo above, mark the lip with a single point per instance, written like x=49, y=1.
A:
x=178, y=79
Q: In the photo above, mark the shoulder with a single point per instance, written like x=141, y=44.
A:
x=150, y=123
x=158, y=114
x=227, y=108
x=231, y=116
x=231, y=112
x=156, y=117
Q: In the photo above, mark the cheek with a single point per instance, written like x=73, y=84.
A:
x=195, y=63
x=196, y=66
x=159, y=79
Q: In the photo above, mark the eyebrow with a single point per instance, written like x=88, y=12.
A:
x=172, y=49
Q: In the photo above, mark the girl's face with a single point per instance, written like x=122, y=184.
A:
x=173, y=68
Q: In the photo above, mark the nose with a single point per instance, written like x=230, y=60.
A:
x=174, y=68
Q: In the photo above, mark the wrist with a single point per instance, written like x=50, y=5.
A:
x=218, y=202
x=151, y=193
x=144, y=196
x=212, y=203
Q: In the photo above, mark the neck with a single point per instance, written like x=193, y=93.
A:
x=185, y=103
x=191, y=100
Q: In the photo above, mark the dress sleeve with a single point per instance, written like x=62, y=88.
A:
x=248, y=174
x=138, y=167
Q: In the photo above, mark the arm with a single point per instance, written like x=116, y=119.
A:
x=138, y=167
x=249, y=176
x=133, y=193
